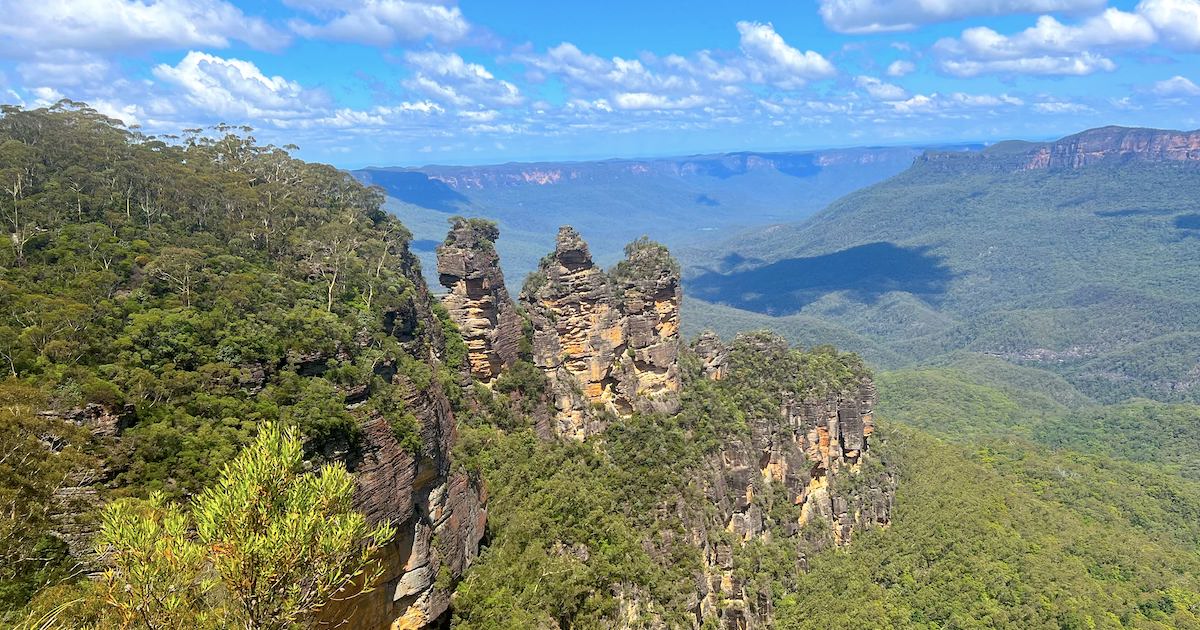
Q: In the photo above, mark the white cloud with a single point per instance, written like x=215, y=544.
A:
x=900, y=67
x=879, y=90
x=954, y=102
x=235, y=88
x=1177, y=21
x=1049, y=47
x=776, y=61
x=874, y=16
x=1176, y=86
x=1052, y=47
x=128, y=25
x=1061, y=107
x=385, y=22
x=447, y=77
x=1076, y=65
x=646, y=100
x=676, y=82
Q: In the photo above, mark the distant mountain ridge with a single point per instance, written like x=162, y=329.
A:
x=1077, y=255
x=675, y=200
x=1103, y=144
x=720, y=165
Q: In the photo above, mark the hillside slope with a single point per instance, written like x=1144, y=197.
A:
x=1078, y=256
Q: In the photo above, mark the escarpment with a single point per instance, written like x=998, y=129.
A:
x=800, y=475
x=1105, y=145
x=478, y=301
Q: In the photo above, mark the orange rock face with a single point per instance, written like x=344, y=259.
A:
x=609, y=342
x=478, y=301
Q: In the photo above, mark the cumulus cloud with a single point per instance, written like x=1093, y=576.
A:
x=880, y=90
x=1052, y=47
x=875, y=16
x=1177, y=21
x=1049, y=47
x=675, y=82
x=232, y=87
x=128, y=25
x=447, y=77
x=900, y=67
x=776, y=61
x=383, y=22
x=1176, y=86
x=954, y=102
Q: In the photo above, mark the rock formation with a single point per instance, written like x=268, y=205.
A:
x=1104, y=145
x=608, y=342
x=440, y=512
x=812, y=454
x=478, y=300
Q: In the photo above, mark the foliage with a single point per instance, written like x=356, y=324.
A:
x=39, y=455
x=578, y=527
x=188, y=289
x=268, y=546
x=988, y=539
x=1084, y=272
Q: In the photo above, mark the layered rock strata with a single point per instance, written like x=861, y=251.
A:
x=478, y=300
x=440, y=513
x=609, y=342
x=814, y=454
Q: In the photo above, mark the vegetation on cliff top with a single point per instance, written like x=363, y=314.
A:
x=607, y=518
x=184, y=290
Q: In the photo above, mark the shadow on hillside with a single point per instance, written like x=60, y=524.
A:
x=866, y=271
x=1188, y=222
x=418, y=189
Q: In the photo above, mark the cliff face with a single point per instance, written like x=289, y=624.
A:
x=607, y=342
x=478, y=300
x=797, y=164
x=813, y=454
x=1095, y=146
x=1119, y=143
x=440, y=513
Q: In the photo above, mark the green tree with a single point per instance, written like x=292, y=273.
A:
x=266, y=547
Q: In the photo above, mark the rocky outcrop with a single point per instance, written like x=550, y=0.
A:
x=712, y=354
x=440, y=513
x=1117, y=143
x=1113, y=145
x=607, y=342
x=815, y=455
x=478, y=301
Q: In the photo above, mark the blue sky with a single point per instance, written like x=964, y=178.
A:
x=409, y=82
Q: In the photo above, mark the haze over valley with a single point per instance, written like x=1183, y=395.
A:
x=429, y=314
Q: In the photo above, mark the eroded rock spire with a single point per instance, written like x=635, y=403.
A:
x=478, y=301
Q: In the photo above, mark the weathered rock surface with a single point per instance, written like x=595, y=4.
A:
x=1115, y=145
x=608, y=342
x=815, y=455
x=440, y=514
x=478, y=300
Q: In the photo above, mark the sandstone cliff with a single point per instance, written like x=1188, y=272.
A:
x=478, y=300
x=813, y=453
x=440, y=513
x=608, y=342
x=1112, y=145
